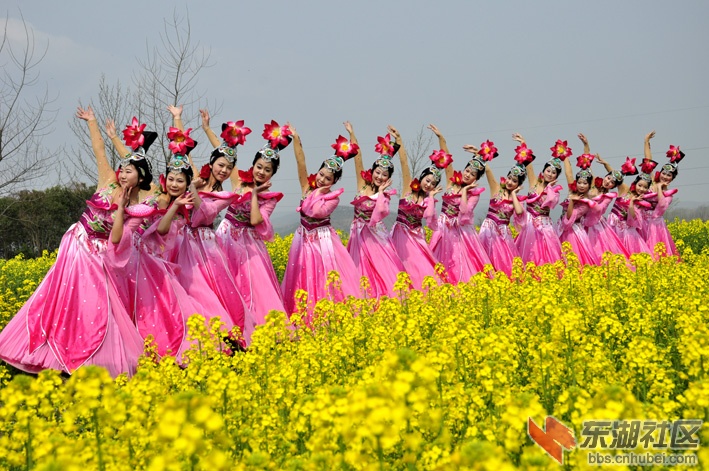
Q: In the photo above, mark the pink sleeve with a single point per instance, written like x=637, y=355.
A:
x=381, y=208
x=429, y=214
x=321, y=206
x=662, y=206
x=265, y=229
x=467, y=208
x=552, y=198
x=119, y=254
x=208, y=210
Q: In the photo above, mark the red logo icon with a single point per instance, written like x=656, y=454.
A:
x=557, y=437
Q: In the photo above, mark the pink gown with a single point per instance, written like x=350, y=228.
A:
x=409, y=238
x=538, y=241
x=654, y=228
x=602, y=236
x=370, y=247
x=496, y=237
x=75, y=316
x=248, y=259
x=203, y=268
x=572, y=230
x=627, y=228
x=159, y=305
x=455, y=242
x=316, y=250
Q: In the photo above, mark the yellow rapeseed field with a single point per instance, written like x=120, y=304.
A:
x=443, y=378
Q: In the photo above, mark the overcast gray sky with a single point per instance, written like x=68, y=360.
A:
x=613, y=70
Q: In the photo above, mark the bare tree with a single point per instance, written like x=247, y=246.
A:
x=418, y=150
x=24, y=115
x=168, y=75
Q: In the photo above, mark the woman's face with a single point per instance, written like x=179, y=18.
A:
x=608, y=182
x=128, y=177
x=582, y=186
x=666, y=177
x=221, y=169
x=549, y=174
x=428, y=183
x=469, y=175
x=325, y=177
x=379, y=176
x=176, y=183
x=263, y=171
x=511, y=183
x=642, y=187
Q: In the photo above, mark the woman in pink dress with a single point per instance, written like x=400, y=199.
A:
x=602, y=236
x=455, y=241
x=495, y=235
x=316, y=249
x=415, y=205
x=75, y=316
x=369, y=244
x=576, y=207
x=204, y=271
x=247, y=225
x=625, y=215
x=538, y=241
x=659, y=197
x=160, y=306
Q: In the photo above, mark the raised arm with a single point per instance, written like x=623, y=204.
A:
x=115, y=140
x=359, y=166
x=300, y=159
x=648, y=152
x=605, y=164
x=213, y=138
x=568, y=171
x=403, y=160
x=443, y=145
x=106, y=175
x=586, y=147
x=531, y=176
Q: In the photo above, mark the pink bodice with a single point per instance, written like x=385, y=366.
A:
x=410, y=214
x=97, y=218
x=500, y=211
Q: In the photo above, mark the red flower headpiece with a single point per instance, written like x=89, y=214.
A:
x=628, y=168
x=278, y=136
x=598, y=182
x=205, y=172
x=441, y=158
x=366, y=175
x=384, y=145
x=572, y=187
x=488, y=151
x=344, y=148
x=133, y=134
x=415, y=185
x=247, y=176
x=234, y=133
x=561, y=150
x=457, y=178
x=503, y=180
x=524, y=154
x=648, y=166
x=584, y=161
x=180, y=141
x=163, y=183
x=674, y=154
x=311, y=180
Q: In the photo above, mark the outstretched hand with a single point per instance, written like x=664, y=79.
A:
x=348, y=127
x=111, y=128
x=85, y=114
x=394, y=133
x=471, y=148
x=650, y=135
x=205, y=117
x=518, y=137
x=294, y=133
x=583, y=138
x=175, y=110
x=435, y=130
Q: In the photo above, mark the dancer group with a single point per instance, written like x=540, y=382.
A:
x=145, y=254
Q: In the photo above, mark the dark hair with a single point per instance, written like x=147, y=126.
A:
x=144, y=171
x=337, y=173
x=427, y=171
x=558, y=170
x=615, y=182
x=216, y=153
x=674, y=172
x=521, y=177
x=275, y=163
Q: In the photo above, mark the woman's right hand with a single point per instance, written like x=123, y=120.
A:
x=394, y=133
x=348, y=127
x=518, y=137
x=205, y=118
x=85, y=114
x=649, y=136
x=176, y=111
x=435, y=130
x=185, y=199
x=293, y=132
x=111, y=128
x=583, y=138
x=471, y=148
